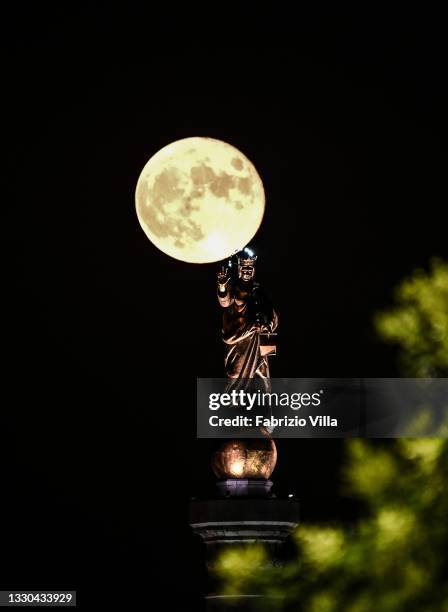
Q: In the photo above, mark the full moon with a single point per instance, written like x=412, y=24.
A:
x=199, y=200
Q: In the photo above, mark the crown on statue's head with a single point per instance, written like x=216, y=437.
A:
x=246, y=257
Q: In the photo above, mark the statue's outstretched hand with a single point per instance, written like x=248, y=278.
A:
x=223, y=278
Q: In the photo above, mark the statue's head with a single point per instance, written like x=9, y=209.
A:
x=246, y=264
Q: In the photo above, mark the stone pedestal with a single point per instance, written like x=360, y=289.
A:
x=245, y=512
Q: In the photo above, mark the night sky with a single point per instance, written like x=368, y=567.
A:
x=342, y=114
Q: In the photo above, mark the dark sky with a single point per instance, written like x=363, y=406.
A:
x=342, y=114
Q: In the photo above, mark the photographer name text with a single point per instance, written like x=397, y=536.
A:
x=271, y=422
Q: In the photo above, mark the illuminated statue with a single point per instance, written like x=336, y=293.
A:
x=248, y=330
x=249, y=319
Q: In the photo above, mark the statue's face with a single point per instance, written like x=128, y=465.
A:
x=246, y=273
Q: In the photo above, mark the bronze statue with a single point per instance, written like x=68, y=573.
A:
x=248, y=331
x=249, y=321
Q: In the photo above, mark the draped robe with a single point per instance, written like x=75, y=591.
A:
x=243, y=303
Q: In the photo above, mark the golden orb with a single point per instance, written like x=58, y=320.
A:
x=255, y=458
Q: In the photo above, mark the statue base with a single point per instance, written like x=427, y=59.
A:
x=245, y=512
x=249, y=487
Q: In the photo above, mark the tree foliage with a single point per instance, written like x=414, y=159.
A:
x=418, y=322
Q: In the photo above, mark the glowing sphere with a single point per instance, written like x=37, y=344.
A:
x=199, y=200
x=255, y=458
